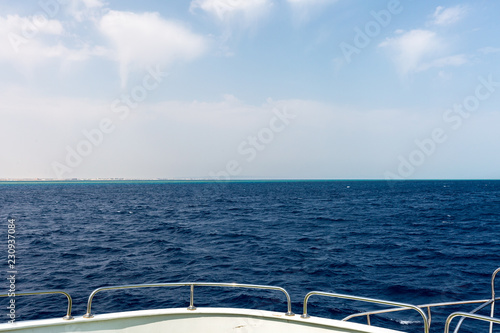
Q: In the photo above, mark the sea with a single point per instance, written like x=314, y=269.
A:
x=415, y=242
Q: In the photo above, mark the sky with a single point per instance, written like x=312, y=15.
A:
x=250, y=89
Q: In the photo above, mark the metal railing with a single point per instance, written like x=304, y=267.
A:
x=485, y=303
x=47, y=292
x=369, y=300
x=397, y=306
x=289, y=312
x=492, y=320
x=491, y=301
x=492, y=314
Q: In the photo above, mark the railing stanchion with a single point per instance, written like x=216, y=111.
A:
x=429, y=315
x=191, y=299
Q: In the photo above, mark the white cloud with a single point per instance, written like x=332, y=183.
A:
x=455, y=60
x=141, y=40
x=447, y=16
x=135, y=41
x=93, y=3
x=411, y=49
x=321, y=141
x=236, y=17
x=304, y=10
x=82, y=10
x=444, y=76
x=16, y=27
x=228, y=10
x=30, y=41
x=489, y=50
x=310, y=2
x=420, y=50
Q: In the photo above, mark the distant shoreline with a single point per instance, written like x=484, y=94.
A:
x=201, y=180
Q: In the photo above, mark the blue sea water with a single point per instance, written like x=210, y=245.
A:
x=408, y=241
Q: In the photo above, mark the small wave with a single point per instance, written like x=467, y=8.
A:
x=329, y=219
x=408, y=322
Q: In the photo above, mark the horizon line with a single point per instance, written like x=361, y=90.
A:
x=119, y=179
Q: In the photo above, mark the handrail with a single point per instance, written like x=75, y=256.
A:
x=47, y=292
x=472, y=312
x=491, y=301
x=369, y=300
x=468, y=315
x=485, y=302
x=191, y=285
x=422, y=306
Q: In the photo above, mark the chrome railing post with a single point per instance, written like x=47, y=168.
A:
x=191, y=299
x=89, y=314
x=429, y=318
x=305, y=315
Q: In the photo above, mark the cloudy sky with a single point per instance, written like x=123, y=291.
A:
x=228, y=89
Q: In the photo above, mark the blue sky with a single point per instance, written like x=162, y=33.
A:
x=229, y=89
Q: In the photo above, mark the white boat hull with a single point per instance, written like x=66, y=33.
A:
x=206, y=320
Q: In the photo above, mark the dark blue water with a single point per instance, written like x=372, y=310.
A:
x=410, y=241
